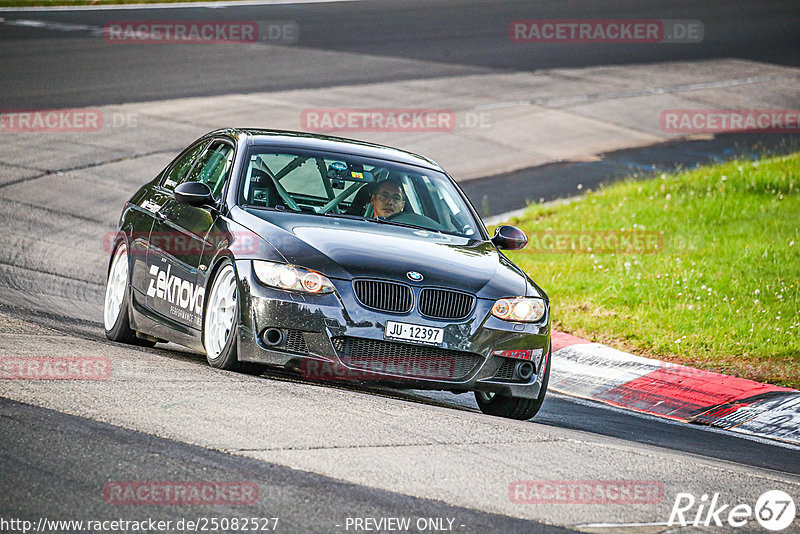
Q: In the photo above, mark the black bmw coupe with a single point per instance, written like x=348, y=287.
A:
x=334, y=258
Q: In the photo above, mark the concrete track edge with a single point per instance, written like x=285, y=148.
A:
x=598, y=372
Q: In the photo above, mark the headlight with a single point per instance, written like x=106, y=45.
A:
x=291, y=278
x=520, y=309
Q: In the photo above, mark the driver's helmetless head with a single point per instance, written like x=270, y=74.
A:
x=387, y=199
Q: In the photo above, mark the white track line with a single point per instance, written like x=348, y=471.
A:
x=179, y=5
x=624, y=525
x=505, y=217
x=55, y=26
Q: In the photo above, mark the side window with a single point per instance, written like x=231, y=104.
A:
x=213, y=166
x=178, y=172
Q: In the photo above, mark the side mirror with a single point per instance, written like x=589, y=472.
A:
x=194, y=194
x=509, y=238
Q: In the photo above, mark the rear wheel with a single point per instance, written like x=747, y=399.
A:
x=513, y=407
x=115, y=305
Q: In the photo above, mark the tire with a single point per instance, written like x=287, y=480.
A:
x=514, y=407
x=221, y=318
x=116, y=322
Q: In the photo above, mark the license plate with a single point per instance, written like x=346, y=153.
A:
x=413, y=332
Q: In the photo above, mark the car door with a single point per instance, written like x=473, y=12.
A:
x=149, y=205
x=178, y=239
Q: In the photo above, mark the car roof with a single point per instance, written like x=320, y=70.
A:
x=309, y=141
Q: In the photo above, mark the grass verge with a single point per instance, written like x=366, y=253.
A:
x=720, y=292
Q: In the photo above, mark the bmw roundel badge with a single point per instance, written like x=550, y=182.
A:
x=414, y=276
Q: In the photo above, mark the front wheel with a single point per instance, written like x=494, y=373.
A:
x=220, y=319
x=514, y=407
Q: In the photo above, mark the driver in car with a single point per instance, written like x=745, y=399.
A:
x=388, y=199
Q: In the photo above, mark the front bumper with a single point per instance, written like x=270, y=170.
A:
x=326, y=337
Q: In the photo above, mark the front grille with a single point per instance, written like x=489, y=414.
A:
x=506, y=371
x=444, y=304
x=384, y=296
x=295, y=342
x=414, y=361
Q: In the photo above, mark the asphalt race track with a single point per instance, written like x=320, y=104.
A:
x=321, y=453
x=399, y=40
x=304, y=501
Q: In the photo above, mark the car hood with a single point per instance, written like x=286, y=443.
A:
x=346, y=249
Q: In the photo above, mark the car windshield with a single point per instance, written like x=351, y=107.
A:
x=341, y=185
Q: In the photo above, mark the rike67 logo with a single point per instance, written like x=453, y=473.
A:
x=774, y=510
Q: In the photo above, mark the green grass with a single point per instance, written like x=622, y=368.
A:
x=722, y=294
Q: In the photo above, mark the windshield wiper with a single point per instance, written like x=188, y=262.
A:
x=378, y=221
x=405, y=225
x=344, y=216
x=279, y=209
